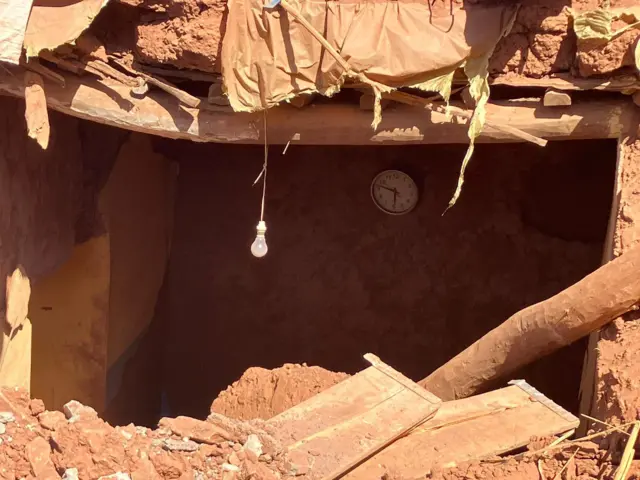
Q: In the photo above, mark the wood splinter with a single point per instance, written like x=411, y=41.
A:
x=36, y=113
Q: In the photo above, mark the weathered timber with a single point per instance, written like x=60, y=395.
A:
x=334, y=124
x=332, y=432
x=36, y=113
x=469, y=429
x=563, y=81
x=542, y=328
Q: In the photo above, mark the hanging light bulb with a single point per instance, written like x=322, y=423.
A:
x=259, y=246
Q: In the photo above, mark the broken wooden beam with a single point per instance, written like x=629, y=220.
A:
x=540, y=329
x=35, y=66
x=36, y=112
x=567, y=82
x=325, y=124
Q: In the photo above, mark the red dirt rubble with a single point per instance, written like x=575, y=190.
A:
x=49, y=446
x=83, y=446
x=262, y=393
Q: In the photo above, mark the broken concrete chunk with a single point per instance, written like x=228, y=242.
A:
x=241, y=430
x=74, y=410
x=51, y=420
x=179, y=445
x=38, y=452
x=3, y=428
x=145, y=471
x=227, y=475
x=7, y=417
x=253, y=445
x=203, y=432
x=36, y=406
x=70, y=474
x=227, y=467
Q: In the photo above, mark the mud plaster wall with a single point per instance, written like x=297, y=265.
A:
x=99, y=303
x=617, y=386
x=40, y=194
x=189, y=34
x=342, y=279
x=69, y=304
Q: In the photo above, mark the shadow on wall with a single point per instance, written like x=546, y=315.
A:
x=342, y=279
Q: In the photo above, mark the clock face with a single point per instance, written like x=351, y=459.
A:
x=394, y=192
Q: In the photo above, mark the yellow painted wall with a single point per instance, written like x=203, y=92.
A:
x=69, y=313
x=89, y=312
x=16, y=370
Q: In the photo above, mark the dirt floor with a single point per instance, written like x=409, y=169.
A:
x=342, y=279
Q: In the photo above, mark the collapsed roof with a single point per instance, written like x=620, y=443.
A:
x=180, y=68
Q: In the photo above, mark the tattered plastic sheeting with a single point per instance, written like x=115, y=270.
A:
x=14, y=15
x=268, y=57
x=55, y=22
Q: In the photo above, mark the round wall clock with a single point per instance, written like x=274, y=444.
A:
x=394, y=192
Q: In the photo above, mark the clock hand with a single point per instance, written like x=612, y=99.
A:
x=395, y=197
x=385, y=187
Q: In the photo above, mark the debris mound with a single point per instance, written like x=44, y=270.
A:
x=35, y=443
x=262, y=393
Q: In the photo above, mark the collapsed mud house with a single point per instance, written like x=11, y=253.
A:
x=130, y=283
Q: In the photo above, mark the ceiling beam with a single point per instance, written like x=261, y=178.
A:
x=319, y=124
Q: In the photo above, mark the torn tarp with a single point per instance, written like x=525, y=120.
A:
x=14, y=15
x=269, y=57
x=53, y=23
x=40, y=25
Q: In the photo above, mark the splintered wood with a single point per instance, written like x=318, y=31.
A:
x=36, y=114
x=334, y=431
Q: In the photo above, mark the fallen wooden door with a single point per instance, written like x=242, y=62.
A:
x=470, y=429
x=337, y=429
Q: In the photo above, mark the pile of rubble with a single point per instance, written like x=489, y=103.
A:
x=77, y=444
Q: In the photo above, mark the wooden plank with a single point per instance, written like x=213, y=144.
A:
x=338, y=404
x=468, y=429
x=567, y=82
x=339, y=428
x=334, y=124
x=400, y=378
